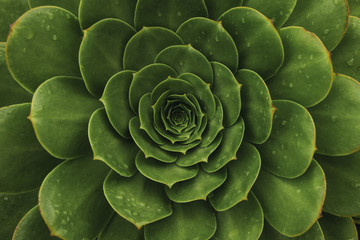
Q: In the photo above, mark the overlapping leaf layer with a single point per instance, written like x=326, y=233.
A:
x=208, y=119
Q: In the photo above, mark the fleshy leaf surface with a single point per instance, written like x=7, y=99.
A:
x=335, y=228
x=48, y=38
x=337, y=118
x=216, y=8
x=109, y=147
x=195, y=220
x=70, y=5
x=278, y=196
x=71, y=199
x=137, y=199
x=63, y=103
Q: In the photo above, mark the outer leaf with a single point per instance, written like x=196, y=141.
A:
x=256, y=40
x=211, y=39
x=70, y=5
x=289, y=150
x=10, y=91
x=168, y=14
x=32, y=226
x=115, y=97
x=336, y=228
x=24, y=163
x=63, y=103
x=354, y=8
x=194, y=220
x=306, y=75
x=327, y=19
x=148, y=147
x=216, y=8
x=257, y=109
x=166, y=173
x=314, y=233
x=232, y=138
x=278, y=11
x=151, y=41
x=10, y=11
x=72, y=202
x=346, y=56
x=337, y=118
x=119, y=227
x=197, y=188
x=45, y=37
x=278, y=196
x=227, y=89
x=343, y=184
x=106, y=40
x=109, y=147
x=137, y=199
x=186, y=59
x=92, y=11
x=12, y=208
x=243, y=221
x=241, y=176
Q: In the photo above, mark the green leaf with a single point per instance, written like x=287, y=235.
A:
x=197, y=188
x=11, y=10
x=115, y=97
x=211, y=39
x=243, y=221
x=241, y=176
x=32, y=226
x=342, y=184
x=327, y=19
x=145, y=80
x=166, y=173
x=72, y=202
x=306, y=75
x=289, y=149
x=337, y=118
x=24, y=163
x=227, y=89
x=346, y=56
x=216, y=8
x=12, y=208
x=198, y=154
x=278, y=11
x=137, y=199
x=194, y=220
x=106, y=40
x=337, y=228
x=354, y=8
x=292, y=206
x=92, y=11
x=186, y=59
x=10, y=91
x=70, y=5
x=232, y=138
x=167, y=14
x=118, y=153
x=151, y=41
x=314, y=233
x=63, y=103
x=148, y=147
x=256, y=39
x=257, y=109
x=119, y=227
x=43, y=43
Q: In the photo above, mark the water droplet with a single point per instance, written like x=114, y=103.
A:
x=54, y=37
x=217, y=39
x=337, y=26
x=179, y=14
x=291, y=85
x=29, y=35
x=236, y=33
x=282, y=146
x=181, y=63
x=311, y=57
x=51, y=16
x=6, y=198
x=355, y=185
x=120, y=197
x=203, y=33
x=336, y=2
x=57, y=212
x=24, y=50
x=333, y=118
x=243, y=20
x=326, y=31
x=299, y=57
x=68, y=16
x=159, y=209
x=350, y=62
x=281, y=13
x=211, y=53
x=298, y=191
x=283, y=122
x=273, y=152
x=159, y=13
x=308, y=16
x=248, y=44
x=48, y=28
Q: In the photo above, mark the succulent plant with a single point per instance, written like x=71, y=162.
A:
x=206, y=119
